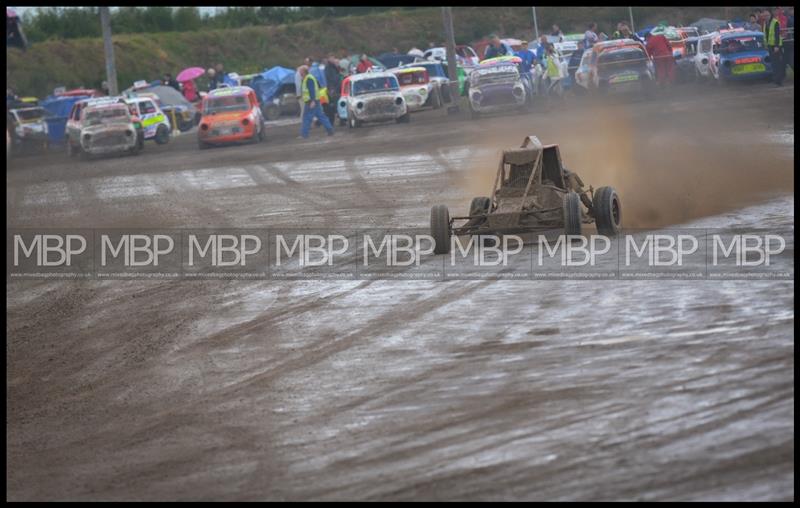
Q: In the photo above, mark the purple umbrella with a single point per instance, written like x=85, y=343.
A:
x=190, y=74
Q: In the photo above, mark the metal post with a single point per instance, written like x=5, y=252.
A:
x=111, y=69
x=450, y=40
x=535, y=24
x=630, y=12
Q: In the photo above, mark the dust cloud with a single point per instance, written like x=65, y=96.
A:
x=668, y=168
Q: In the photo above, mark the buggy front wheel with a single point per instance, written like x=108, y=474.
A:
x=440, y=229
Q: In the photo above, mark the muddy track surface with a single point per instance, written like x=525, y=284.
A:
x=412, y=390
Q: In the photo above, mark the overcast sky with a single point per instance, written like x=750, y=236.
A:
x=21, y=10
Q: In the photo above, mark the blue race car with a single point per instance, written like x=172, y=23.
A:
x=743, y=56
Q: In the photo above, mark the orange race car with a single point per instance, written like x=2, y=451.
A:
x=230, y=115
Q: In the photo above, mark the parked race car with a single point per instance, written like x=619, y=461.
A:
x=173, y=104
x=275, y=90
x=496, y=85
x=341, y=105
x=27, y=127
x=418, y=89
x=105, y=127
x=155, y=124
x=76, y=123
x=532, y=192
x=616, y=66
x=685, y=64
x=374, y=97
x=437, y=72
x=230, y=115
x=465, y=55
x=705, y=60
x=742, y=56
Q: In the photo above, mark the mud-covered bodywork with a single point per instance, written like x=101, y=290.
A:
x=418, y=90
x=438, y=74
x=496, y=86
x=108, y=129
x=532, y=191
x=374, y=97
x=29, y=128
x=616, y=66
x=743, y=56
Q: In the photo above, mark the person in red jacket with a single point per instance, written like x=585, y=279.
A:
x=364, y=64
x=660, y=51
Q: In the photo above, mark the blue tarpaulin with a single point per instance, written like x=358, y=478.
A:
x=59, y=108
x=228, y=80
x=267, y=84
x=392, y=60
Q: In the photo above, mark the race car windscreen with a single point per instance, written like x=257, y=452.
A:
x=610, y=62
x=372, y=85
x=107, y=115
x=30, y=115
x=739, y=44
x=412, y=78
x=436, y=70
x=216, y=105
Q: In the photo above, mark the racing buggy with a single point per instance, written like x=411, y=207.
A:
x=532, y=192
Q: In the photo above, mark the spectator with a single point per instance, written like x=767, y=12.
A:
x=590, y=37
x=528, y=59
x=212, y=79
x=618, y=32
x=556, y=32
x=298, y=83
x=190, y=90
x=540, y=49
x=628, y=34
x=753, y=24
x=168, y=81
x=783, y=21
x=554, y=72
x=309, y=87
x=575, y=60
x=774, y=42
x=364, y=64
x=104, y=88
x=788, y=41
x=763, y=19
x=334, y=84
x=661, y=52
x=495, y=48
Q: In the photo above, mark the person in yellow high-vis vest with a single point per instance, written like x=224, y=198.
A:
x=310, y=96
x=774, y=43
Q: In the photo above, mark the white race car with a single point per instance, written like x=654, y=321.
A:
x=375, y=97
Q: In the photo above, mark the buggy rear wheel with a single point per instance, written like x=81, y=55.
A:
x=440, y=229
x=607, y=211
x=572, y=214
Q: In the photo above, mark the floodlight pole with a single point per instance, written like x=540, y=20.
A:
x=535, y=24
x=630, y=13
x=111, y=69
x=452, y=71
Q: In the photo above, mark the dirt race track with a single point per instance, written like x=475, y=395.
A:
x=412, y=390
